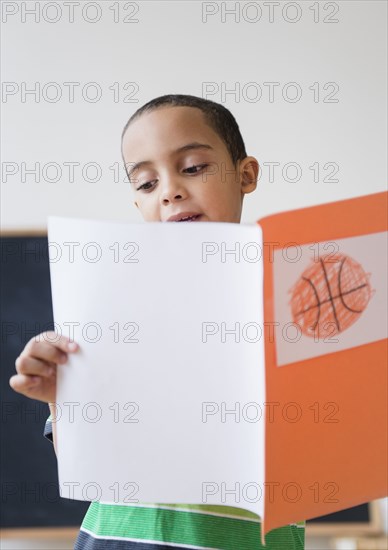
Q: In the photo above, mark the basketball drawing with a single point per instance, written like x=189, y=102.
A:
x=330, y=295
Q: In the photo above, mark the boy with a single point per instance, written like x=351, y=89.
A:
x=186, y=161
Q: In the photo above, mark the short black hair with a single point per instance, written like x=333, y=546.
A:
x=218, y=117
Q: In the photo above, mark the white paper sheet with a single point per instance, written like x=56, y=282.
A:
x=143, y=406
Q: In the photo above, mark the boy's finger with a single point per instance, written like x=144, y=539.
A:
x=24, y=384
x=34, y=387
x=42, y=348
x=54, y=339
x=31, y=366
x=42, y=351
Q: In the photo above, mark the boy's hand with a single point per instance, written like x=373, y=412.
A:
x=37, y=366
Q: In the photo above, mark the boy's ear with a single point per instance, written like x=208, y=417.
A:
x=249, y=171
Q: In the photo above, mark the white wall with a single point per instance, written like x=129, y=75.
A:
x=178, y=47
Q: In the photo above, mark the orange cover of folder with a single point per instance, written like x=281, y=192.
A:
x=326, y=425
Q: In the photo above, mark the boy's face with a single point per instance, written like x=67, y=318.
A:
x=174, y=182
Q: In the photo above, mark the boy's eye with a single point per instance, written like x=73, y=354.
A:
x=144, y=186
x=196, y=166
x=148, y=183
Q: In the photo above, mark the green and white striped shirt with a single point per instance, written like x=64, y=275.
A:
x=108, y=526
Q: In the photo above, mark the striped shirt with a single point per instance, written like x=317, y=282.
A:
x=108, y=526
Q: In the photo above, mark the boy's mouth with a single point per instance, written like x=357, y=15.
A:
x=185, y=217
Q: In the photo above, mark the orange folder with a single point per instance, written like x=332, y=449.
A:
x=335, y=455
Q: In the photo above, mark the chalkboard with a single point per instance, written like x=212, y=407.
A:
x=358, y=514
x=362, y=519
x=29, y=481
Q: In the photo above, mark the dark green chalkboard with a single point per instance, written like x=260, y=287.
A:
x=29, y=481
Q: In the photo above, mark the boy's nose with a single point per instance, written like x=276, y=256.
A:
x=172, y=191
x=174, y=198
